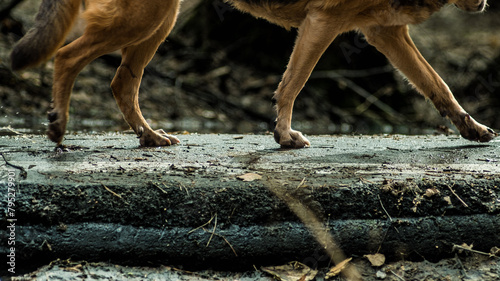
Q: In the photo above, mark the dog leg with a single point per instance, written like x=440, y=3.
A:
x=395, y=43
x=127, y=80
x=68, y=62
x=315, y=34
x=130, y=28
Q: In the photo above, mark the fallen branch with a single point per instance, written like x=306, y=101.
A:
x=399, y=277
x=23, y=172
x=112, y=192
x=469, y=249
x=213, y=231
x=227, y=242
x=460, y=199
x=340, y=76
x=383, y=208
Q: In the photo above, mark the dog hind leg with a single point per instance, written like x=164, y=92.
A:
x=127, y=29
x=395, y=43
x=68, y=62
x=125, y=84
x=315, y=34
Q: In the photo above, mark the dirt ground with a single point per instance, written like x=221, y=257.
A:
x=463, y=267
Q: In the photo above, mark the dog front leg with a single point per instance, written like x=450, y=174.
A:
x=315, y=34
x=395, y=43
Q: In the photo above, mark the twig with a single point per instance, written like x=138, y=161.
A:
x=383, y=208
x=365, y=180
x=395, y=116
x=6, y=131
x=201, y=226
x=231, y=246
x=23, y=172
x=399, y=277
x=185, y=188
x=464, y=272
x=473, y=251
x=112, y=192
x=301, y=183
x=162, y=190
x=213, y=231
x=456, y=195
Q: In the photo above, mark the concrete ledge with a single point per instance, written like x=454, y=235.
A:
x=104, y=198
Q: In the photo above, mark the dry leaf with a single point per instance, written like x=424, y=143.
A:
x=293, y=271
x=495, y=251
x=334, y=271
x=249, y=177
x=387, y=185
x=381, y=275
x=376, y=259
x=77, y=268
x=431, y=192
x=466, y=247
x=447, y=199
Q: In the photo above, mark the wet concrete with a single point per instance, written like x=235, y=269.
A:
x=104, y=198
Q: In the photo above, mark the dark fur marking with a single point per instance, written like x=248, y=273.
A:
x=52, y=116
x=55, y=133
x=260, y=2
x=277, y=136
x=418, y=3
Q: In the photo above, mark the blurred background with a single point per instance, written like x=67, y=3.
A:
x=218, y=70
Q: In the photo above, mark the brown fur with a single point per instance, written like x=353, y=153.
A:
x=137, y=27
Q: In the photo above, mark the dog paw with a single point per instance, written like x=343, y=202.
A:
x=472, y=130
x=157, y=138
x=291, y=139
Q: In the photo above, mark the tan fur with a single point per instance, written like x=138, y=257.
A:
x=137, y=27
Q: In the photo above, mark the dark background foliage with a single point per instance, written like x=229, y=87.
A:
x=219, y=68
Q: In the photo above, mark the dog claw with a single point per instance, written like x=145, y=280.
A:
x=474, y=131
x=487, y=136
x=157, y=138
x=291, y=139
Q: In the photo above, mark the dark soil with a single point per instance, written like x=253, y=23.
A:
x=472, y=267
